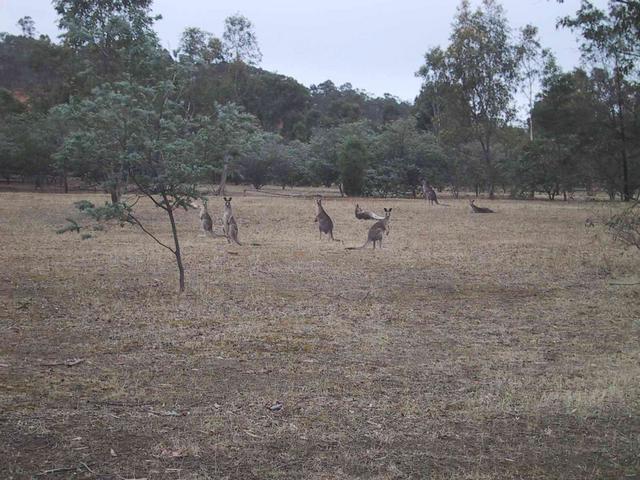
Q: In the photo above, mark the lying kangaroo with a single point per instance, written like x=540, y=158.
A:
x=325, y=224
x=376, y=231
x=206, y=223
x=429, y=193
x=229, y=225
x=479, y=209
x=366, y=215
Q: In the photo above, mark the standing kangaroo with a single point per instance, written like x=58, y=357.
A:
x=366, y=215
x=479, y=209
x=229, y=224
x=206, y=223
x=429, y=193
x=376, y=231
x=325, y=224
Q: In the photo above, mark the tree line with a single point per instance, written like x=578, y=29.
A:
x=108, y=105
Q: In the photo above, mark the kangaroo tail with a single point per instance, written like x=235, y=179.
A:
x=359, y=248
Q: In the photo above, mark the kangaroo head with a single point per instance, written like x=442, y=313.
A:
x=319, y=201
x=471, y=202
x=227, y=201
x=387, y=213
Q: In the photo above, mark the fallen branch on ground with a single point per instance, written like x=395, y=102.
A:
x=67, y=363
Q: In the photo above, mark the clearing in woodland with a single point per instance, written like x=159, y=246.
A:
x=470, y=346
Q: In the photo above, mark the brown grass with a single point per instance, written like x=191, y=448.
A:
x=470, y=347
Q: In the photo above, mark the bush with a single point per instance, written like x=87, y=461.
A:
x=625, y=227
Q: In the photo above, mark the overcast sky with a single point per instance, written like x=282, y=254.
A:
x=376, y=45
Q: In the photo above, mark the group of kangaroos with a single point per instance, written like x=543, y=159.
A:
x=325, y=224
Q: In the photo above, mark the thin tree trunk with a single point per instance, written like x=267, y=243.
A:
x=223, y=177
x=177, y=253
x=626, y=195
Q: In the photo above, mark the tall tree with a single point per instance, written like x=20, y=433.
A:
x=28, y=26
x=481, y=66
x=611, y=42
x=240, y=41
x=200, y=47
x=112, y=39
x=352, y=160
x=532, y=58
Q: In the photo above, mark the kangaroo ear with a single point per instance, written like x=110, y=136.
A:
x=391, y=209
x=230, y=198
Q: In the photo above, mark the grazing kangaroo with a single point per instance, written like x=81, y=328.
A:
x=229, y=224
x=325, y=224
x=366, y=215
x=206, y=223
x=479, y=209
x=376, y=231
x=429, y=193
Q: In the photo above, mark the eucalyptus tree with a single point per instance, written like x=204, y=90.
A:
x=104, y=135
x=289, y=166
x=611, y=42
x=327, y=148
x=480, y=66
x=112, y=39
x=532, y=61
x=241, y=49
x=141, y=134
x=199, y=47
x=412, y=154
x=240, y=41
x=28, y=26
x=222, y=139
x=260, y=152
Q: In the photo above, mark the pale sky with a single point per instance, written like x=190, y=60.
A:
x=376, y=45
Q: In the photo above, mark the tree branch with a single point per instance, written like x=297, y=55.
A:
x=137, y=222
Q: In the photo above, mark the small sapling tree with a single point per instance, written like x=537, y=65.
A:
x=157, y=155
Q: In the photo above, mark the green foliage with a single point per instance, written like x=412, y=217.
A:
x=199, y=47
x=127, y=116
x=26, y=144
x=35, y=70
x=84, y=205
x=240, y=42
x=479, y=74
x=111, y=40
x=352, y=160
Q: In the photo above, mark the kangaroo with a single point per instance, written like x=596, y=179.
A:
x=366, y=215
x=429, y=193
x=206, y=223
x=229, y=225
x=325, y=224
x=479, y=209
x=376, y=231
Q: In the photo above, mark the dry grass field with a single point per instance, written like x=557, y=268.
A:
x=469, y=347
